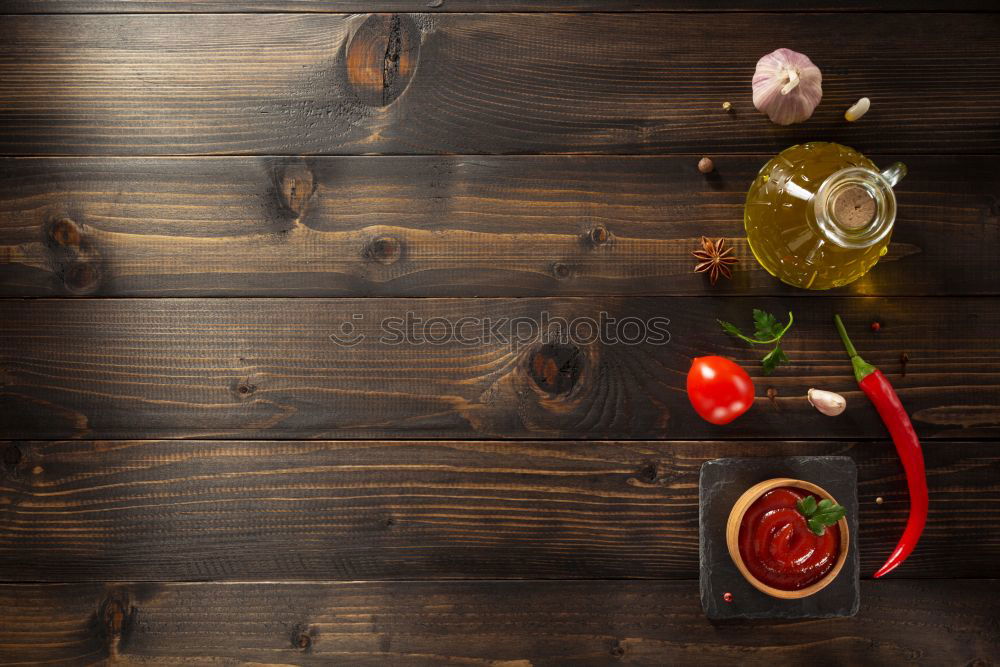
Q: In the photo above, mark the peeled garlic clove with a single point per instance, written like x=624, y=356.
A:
x=787, y=86
x=827, y=402
x=858, y=109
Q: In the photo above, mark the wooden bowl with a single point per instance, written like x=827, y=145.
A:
x=733, y=537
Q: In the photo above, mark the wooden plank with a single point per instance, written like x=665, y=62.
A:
x=299, y=510
x=445, y=226
x=510, y=624
x=269, y=368
x=484, y=83
x=121, y=6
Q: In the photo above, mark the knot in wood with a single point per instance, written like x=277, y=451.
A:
x=302, y=637
x=556, y=368
x=65, y=232
x=648, y=473
x=296, y=187
x=381, y=58
x=114, y=617
x=81, y=277
x=384, y=250
x=561, y=271
x=243, y=388
x=599, y=235
x=11, y=455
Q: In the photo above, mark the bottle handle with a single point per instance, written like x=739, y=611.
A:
x=894, y=173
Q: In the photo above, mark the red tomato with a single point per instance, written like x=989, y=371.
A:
x=719, y=389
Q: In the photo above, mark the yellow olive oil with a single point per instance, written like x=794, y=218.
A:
x=819, y=215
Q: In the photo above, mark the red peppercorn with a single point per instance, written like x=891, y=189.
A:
x=728, y=597
x=876, y=326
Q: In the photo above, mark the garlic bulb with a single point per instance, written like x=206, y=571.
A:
x=787, y=86
x=827, y=402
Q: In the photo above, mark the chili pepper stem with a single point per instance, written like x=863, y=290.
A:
x=862, y=368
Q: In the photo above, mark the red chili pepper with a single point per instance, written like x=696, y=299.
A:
x=894, y=416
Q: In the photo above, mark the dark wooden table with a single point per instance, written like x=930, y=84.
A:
x=194, y=195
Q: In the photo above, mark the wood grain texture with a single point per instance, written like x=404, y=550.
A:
x=485, y=83
x=119, y=6
x=294, y=510
x=131, y=525
x=496, y=624
x=459, y=226
x=268, y=368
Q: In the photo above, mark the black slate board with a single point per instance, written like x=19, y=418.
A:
x=722, y=482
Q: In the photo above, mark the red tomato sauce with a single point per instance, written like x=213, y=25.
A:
x=777, y=546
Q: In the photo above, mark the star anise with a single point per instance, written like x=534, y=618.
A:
x=715, y=258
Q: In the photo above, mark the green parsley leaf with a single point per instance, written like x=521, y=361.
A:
x=807, y=506
x=767, y=331
x=833, y=516
x=765, y=324
x=772, y=359
x=732, y=329
x=820, y=515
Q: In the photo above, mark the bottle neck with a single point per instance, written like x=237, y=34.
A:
x=854, y=208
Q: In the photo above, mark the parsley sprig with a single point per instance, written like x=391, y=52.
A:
x=820, y=515
x=767, y=331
